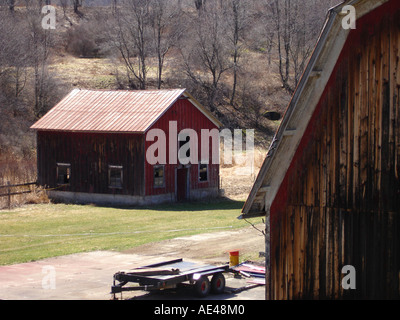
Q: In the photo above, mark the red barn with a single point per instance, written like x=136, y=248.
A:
x=92, y=147
x=330, y=184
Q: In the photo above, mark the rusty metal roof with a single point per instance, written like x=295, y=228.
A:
x=109, y=111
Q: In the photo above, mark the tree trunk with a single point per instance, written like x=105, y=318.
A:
x=11, y=5
x=199, y=4
x=235, y=8
x=76, y=4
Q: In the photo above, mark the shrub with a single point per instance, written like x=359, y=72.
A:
x=81, y=42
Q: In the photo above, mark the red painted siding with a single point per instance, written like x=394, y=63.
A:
x=187, y=116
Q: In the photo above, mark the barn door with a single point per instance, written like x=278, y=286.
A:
x=181, y=184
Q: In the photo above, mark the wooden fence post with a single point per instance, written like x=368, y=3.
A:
x=9, y=195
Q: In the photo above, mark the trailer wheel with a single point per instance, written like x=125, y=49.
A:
x=218, y=283
x=202, y=287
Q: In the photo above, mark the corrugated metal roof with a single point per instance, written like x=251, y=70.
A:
x=108, y=111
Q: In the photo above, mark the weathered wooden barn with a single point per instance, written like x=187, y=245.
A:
x=91, y=148
x=329, y=186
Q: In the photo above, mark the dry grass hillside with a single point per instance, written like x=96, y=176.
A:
x=79, y=55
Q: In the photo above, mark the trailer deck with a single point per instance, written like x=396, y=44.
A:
x=170, y=274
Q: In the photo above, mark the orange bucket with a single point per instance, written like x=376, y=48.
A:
x=233, y=258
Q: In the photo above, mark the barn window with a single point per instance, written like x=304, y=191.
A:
x=63, y=173
x=185, y=143
x=203, y=172
x=115, y=174
x=159, y=176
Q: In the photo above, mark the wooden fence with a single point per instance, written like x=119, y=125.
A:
x=11, y=190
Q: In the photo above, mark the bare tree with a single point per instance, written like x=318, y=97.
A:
x=199, y=4
x=282, y=23
x=205, y=53
x=40, y=43
x=24, y=88
x=237, y=15
x=114, y=4
x=11, y=4
x=76, y=4
x=166, y=29
x=131, y=37
x=142, y=30
x=296, y=28
x=13, y=59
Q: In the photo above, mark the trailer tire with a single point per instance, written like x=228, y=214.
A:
x=218, y=283
x=202, y=287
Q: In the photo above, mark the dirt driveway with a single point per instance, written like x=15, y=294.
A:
x=209, y=247
x=88, y=276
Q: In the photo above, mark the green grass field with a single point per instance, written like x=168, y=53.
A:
x=41, y=231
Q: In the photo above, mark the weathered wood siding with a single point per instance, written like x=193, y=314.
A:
x=90, y=154
x=339, y=203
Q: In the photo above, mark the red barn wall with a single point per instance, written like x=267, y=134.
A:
x=187, y=116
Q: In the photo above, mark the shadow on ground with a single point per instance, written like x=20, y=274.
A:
x=236, y=289
x=221, y=203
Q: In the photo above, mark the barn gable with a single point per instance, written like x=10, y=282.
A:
x=330, y=184
x=302, y=106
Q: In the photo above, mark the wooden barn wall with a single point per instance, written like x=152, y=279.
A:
x=340, y=201
x=90, y=155
x=187, y=117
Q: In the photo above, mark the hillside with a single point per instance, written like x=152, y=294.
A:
x=229, y=58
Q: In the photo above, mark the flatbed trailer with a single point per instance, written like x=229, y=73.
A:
x=169, y=274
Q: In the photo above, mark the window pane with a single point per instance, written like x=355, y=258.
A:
x=159, y=176
x=63, y=173
x=115, y=176
x=203, y=172
x=181, y=144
